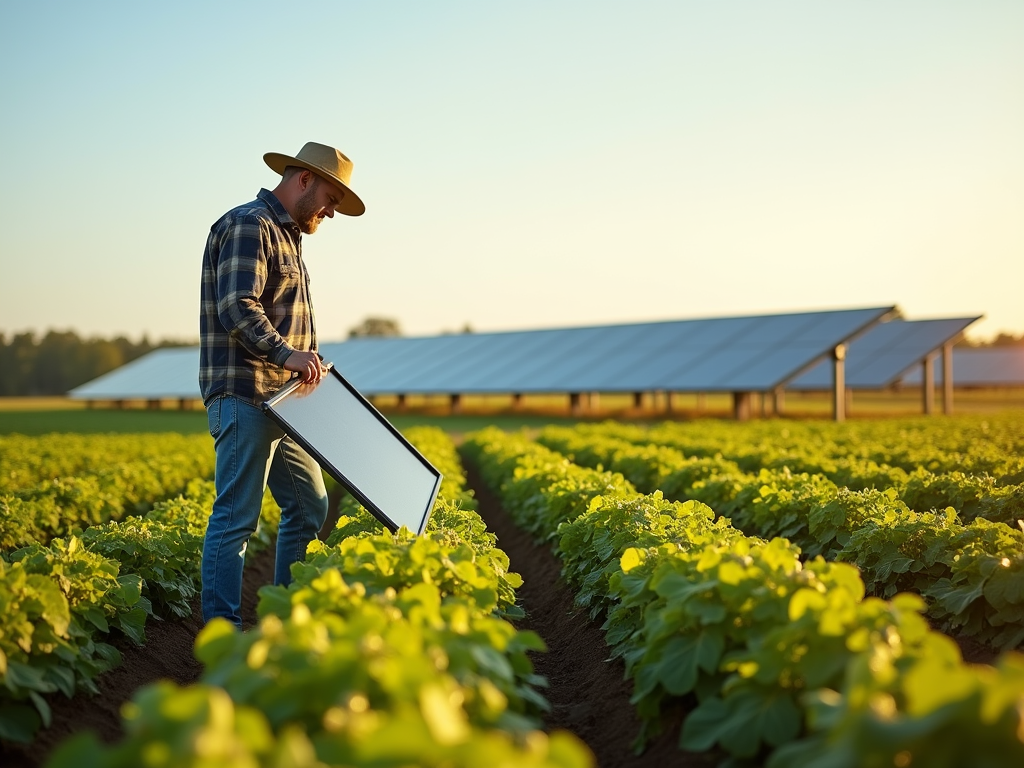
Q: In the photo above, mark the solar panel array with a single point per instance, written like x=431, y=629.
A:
x=732, y=354
x=885, y=352
x=720, y=354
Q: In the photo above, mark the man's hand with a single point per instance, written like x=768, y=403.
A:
x=308, y=365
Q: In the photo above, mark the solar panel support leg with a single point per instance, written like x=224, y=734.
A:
x=928, y=385
x=839, y=383
x=456, y=403
x=638, y=399
x=575, y=404
x=402, y=404
x=741, y=405
x=779, y=398
x=517, y=401
x=947, y=379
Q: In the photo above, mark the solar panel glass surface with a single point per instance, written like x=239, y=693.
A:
x=879, y=356
x=768, y=369
x=637, y=370
x=162, y=373
x=981, y=367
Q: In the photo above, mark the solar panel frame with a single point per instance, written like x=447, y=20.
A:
x=357, y=446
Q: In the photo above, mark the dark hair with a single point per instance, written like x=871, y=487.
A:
x=291, y=170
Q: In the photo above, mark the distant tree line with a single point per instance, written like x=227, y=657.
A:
x=62, y=360
x=1002, y=339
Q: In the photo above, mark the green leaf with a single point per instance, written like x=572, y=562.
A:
x=804, y=600
x=1005, y=587
x=96, y=617
x=630, y=559
x=64, y=679
x=82, y=750
x=18, y=723
x=705, y=726
x=684, y=657
x=215, y=641
x=955, y=599
x=133, y=624
x=28, y=678
x=741, y=722
x=42, y=708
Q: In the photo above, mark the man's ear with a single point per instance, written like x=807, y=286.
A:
x=305, y=178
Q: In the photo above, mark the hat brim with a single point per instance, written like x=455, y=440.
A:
x=350, y=204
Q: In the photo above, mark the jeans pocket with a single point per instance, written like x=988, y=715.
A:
x=213, y=415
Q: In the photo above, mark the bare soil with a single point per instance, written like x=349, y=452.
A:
x=589, y=694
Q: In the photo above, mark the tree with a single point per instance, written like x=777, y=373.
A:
x=18, y=356
x=62, y=360
x=1004, y=339
x=1001, y=339
x=375, y=326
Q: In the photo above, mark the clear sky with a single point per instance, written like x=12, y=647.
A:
x=524, y=164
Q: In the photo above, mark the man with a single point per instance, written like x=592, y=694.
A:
x=256, y=333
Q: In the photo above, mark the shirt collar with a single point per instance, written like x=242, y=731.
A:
x=283, y=217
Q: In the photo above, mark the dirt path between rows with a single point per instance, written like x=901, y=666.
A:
x=589, y=695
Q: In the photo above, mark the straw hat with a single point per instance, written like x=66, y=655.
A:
x=327, y=162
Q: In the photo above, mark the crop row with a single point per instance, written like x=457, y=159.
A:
x=62, y=598
x=27, y=461
x=385, y=650
x=991, y=445
x=783, y=655
x=61, y=601
x=972, y=575
x=55, y=485
x=964, y=467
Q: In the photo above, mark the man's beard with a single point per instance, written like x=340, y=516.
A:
x=306, y=210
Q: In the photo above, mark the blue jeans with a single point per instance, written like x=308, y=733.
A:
x=253, y=452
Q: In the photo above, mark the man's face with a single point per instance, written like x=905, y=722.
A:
x=315, y=203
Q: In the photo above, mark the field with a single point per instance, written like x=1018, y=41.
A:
x=781, y=593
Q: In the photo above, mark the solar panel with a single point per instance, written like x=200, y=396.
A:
x=359, y=448
x=761, y=374
x=172, y=372
x=879, y=357
x=980, y=367
x=504, y=358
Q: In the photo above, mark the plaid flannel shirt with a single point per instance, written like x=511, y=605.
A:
x=255, y=309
